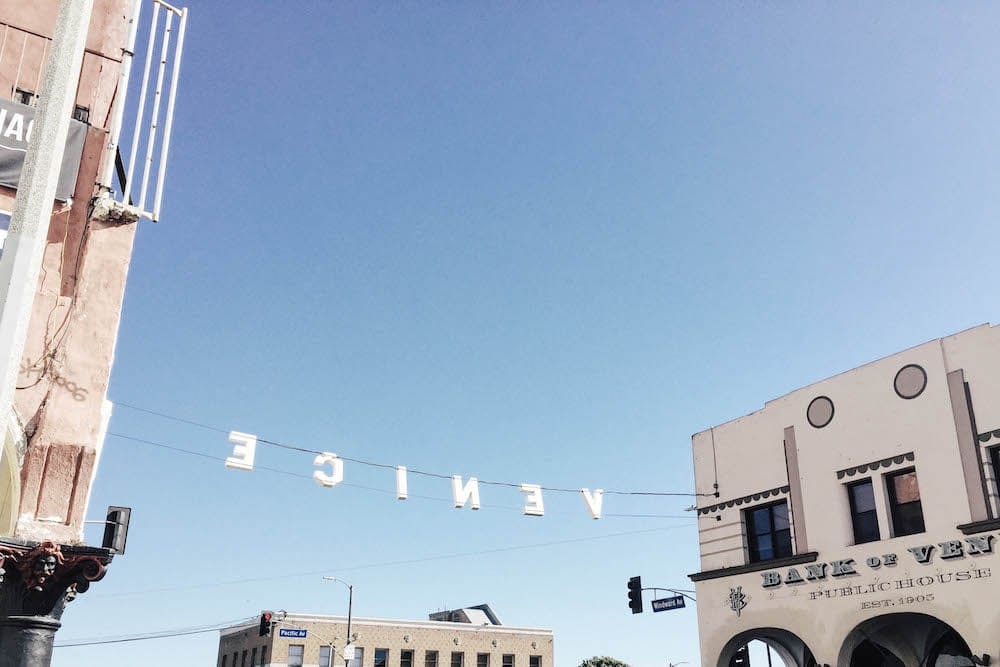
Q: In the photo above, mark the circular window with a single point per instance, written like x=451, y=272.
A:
x=910, y=381
x=820, y=411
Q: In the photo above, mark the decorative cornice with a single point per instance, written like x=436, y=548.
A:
x=985, y=437
x=979, y=526
x=760, y=495
x=875, y=465
x=773, y=564
x=35, y=577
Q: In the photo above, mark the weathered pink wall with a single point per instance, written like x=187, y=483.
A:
x=74, y=324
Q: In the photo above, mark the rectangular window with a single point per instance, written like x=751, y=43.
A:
x=430, y=659
x=224, y=659
x=406, y=659
x=243, y=659
x=359, y=657
x=535, y=661
x=904, y=503
x=236, y=658
x=381, y=657
x=769, y=535
x=863, y=517
x=457, y=659
x=995, y=459
x=324, y=656
x=253, y=657
x=295, y=653
x=263, y=655
x=508, y=660
x=482, y=660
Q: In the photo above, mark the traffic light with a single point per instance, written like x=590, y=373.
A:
x=116, y=529
x=635, y=595
x=265, y=623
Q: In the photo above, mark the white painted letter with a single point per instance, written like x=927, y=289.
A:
x=533, y=505
x=594, y=501
x=243, y=452
x=336, y=466
x=401, y=482
x=461, y=494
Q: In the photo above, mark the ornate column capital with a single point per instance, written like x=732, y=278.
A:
x=36, y=579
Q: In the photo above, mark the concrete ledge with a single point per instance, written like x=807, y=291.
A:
x=773, y=564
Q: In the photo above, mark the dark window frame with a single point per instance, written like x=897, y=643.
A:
x=301, y=656
x=385, y=657
x=994, y=453
x=430, y=659
x=505, y=662
x=461, y=659
x=754, y=554
x=857, y=516
x=896, y=508
x=534, y=661
x=482, y=660
x=406, y=657
x=329, y=656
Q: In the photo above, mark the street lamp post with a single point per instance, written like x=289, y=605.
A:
x=350, y=604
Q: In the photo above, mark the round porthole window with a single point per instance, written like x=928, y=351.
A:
x=820, y=412
x=910, y=382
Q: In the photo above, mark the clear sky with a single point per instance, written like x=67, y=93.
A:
x=532, y=242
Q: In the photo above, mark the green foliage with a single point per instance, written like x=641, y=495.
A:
x=602, y=661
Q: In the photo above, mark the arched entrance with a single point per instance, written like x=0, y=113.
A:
x=904, y=640
x=792, y=651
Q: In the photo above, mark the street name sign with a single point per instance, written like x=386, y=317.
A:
x=665, y=604
x=291, y=632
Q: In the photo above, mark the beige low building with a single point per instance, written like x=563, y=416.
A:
x=856, y=519
x=471, y=637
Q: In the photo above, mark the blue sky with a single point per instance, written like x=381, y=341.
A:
x=533, y=243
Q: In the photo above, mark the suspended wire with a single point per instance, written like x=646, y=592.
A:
x=415, y=471
x=219, y=459
x=408, y=561
x=156, y=634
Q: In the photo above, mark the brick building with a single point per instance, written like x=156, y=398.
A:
x=474, y=638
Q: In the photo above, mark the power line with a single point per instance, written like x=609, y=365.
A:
x=409, y=561
x=210, y=457
x=158, y=634
x=415, y=471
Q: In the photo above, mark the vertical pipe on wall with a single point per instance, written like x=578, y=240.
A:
x=121, y=92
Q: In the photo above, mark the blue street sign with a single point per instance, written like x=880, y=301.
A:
x=664, y=604
x=291, y=632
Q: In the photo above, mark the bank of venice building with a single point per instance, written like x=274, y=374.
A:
x=854, y=522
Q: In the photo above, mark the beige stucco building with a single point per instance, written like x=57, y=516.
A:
x=856, y=519
x=474, y=639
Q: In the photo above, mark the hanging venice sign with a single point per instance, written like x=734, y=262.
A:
x=464, y=492
x=17, y=121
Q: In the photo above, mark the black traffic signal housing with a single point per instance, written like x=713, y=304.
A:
x=635, y=595
x=265, y=623
x=116, y=529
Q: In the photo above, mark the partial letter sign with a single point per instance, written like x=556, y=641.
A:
x=460, y=494
x=336, y=466
x=243, y=452
x=533, y=505
x=594, y=501
x=401, y=482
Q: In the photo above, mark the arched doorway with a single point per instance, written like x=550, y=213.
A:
x=904, y=640
x=785, y=646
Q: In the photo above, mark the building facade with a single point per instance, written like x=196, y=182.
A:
x=308, y=640
x=855, y=521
